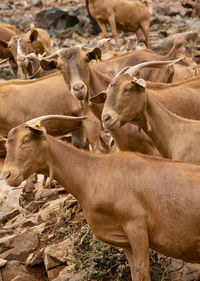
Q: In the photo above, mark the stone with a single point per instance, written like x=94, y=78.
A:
x=18, y=247
x=35, y=258
x=56, y=254
x=66, y=276
x=7, y=243
x=56, y=18
x=15, y=271
x=54, y=272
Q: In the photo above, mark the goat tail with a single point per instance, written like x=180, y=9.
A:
x=145, y=2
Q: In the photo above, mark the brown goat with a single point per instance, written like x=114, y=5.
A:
x=122, y=14
x=35, y=40
x=85, y=81
x=111, y=67
x=28, y=99
x=128, y=100
x=130, y=200
x=6, y=33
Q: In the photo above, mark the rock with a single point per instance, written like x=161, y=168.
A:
x=5, y=218
x=15, y=271
x=35, y=258
x=46, y=193
x=18, y=247
x=7, y=243
x=38, y=3
x=54, y=272
x=66, y=276
x=55, y=18
x=56, y=254
x=189, y=271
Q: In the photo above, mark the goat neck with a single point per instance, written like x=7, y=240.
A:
x=76, y=162
x=160, y=124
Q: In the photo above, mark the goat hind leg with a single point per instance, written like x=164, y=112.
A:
x=112, y=23
x=145, y=29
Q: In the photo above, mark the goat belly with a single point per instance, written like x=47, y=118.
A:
x=178, y=247
x=107, y=230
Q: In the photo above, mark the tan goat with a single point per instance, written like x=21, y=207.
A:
x=122, y=14
x=28, y=99
x=35, y=40
x=130, y=200
x=84, y=81
x=111, y=67
x=7, y=31
x=128, y=100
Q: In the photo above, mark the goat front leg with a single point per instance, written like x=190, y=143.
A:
x=29, y=185
x=129, y=256
x=103, y=27
x=138, y=253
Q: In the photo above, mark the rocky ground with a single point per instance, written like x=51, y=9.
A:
x=43, y=234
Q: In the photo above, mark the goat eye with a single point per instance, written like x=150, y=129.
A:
x=59, y=67
x=26, y=141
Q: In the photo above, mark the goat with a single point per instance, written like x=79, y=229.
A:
x=124, y=14
x=128, y=100
x=86, y=81
x=7, y=31
x=34, y=40
x=23, y=100
x=130, y=200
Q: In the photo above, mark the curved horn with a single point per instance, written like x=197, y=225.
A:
x=135, y=69
x=55, y=54
x=4, y=61
x=123, y=71
x=48, y=117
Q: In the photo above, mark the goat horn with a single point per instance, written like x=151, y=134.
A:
x=5, y=60
x=135, y=69
x=123, y=71
x=55, y=54
x=48, y=117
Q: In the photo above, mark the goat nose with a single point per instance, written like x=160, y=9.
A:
x=78, y=87
x=106, y=118
x=7, y=175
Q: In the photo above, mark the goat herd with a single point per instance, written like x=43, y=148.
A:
x=152, y=106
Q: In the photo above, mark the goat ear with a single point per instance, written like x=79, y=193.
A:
x=36, y=129
x=141, y=82
x=3, y=44
x=29, y=68
x=34, y=35
x=48, y=64
x=99, y=98
x=95, y=54
x=2, y=142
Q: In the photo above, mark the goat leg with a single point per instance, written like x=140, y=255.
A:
x=29, y=185
x=48, y=183
x=137, y=234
